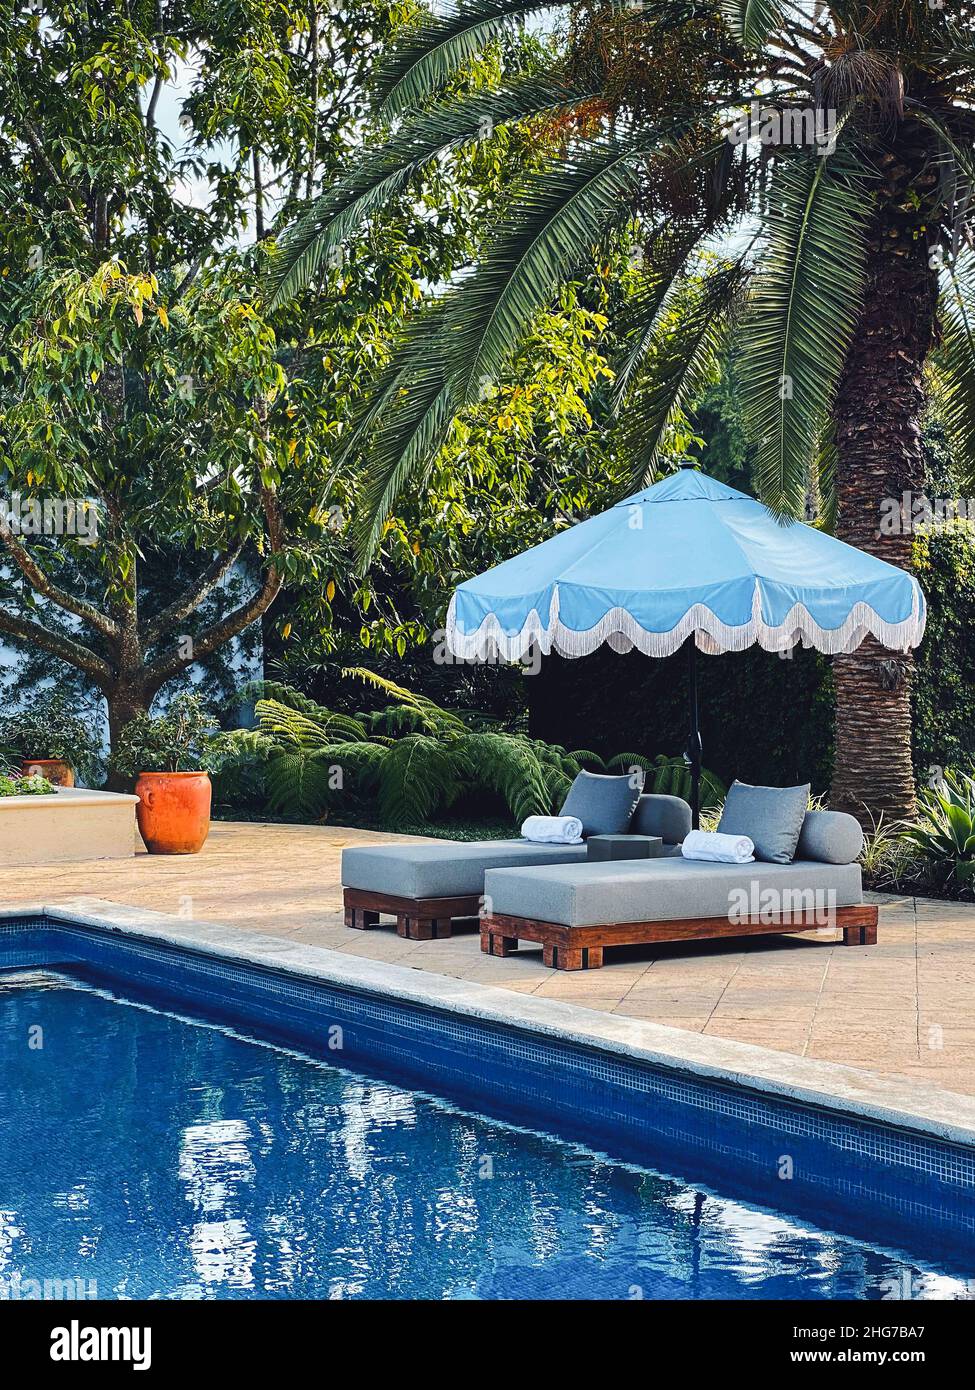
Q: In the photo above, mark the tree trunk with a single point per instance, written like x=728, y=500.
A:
x=878, y=414
x=125, y=701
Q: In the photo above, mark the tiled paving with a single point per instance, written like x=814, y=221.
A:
x=904, y=1007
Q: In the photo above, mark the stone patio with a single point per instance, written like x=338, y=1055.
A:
x=905, y=1007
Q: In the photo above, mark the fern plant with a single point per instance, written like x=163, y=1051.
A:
x=407, y=763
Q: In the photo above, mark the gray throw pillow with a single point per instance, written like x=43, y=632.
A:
x=605, y=805
x=771, y=817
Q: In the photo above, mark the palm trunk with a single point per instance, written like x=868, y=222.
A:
x=878, y=434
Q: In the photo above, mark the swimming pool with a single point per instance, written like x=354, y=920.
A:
x=183, y=1127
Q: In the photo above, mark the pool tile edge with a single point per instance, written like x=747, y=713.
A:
x=924, y=1109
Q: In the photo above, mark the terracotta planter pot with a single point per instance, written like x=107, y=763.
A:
x=173, y=811
x=56, y=770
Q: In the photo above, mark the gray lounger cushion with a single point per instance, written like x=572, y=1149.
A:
x=605, y=805
x=666, y=816
x=446, y=870
x=832, y=837
x=655, y=890
x=771, y=817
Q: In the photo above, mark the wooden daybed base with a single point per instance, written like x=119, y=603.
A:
x=420, y=919
x=581, y=948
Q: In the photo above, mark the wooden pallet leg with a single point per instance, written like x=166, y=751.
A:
x=592, y=957
x=361, y=918
x=441, y=928
x=860, y=936
x=402, y=924
x=548, y=956
x=568, y=959
x=494, y=944
x=418, y=928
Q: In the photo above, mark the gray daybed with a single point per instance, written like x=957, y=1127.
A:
x=576, y=910
x=426, y=886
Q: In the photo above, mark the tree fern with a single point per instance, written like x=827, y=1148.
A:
x=437, y=717
x=420, y=775
x=508, y=766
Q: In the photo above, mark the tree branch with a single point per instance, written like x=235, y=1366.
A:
x=191, y=598
x=46, y=587
x=165, y=667
x=58, y=645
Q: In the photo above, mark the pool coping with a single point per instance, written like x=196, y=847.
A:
x=922, y=1109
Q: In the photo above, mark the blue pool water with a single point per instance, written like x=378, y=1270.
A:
x=160, y=1157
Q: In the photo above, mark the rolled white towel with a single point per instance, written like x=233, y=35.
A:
x=719, y=849
x=553, y=830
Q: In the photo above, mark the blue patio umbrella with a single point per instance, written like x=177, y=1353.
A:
x=688, y=557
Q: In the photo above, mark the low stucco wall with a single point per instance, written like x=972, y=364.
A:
x=72, y=826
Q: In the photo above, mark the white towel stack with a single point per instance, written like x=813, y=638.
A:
x=553, y=830
x=718, y=849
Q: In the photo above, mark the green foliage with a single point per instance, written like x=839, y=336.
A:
x=890, y=863
x=943, y=693
x=50, y=727
x=179, y=740
x=648, y=135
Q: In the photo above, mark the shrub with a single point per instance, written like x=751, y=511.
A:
x=182, y=739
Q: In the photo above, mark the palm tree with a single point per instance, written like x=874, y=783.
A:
x=822, y=152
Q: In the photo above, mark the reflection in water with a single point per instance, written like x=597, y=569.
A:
x=163, y=1158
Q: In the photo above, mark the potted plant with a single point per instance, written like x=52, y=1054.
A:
x=51, y=740
x=170, y=756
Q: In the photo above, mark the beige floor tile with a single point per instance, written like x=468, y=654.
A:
x=878, y=1007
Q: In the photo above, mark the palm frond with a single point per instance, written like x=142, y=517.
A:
x=752, y=21
x=955, y=362
x=428, y=55
x=383, y=172
x=801, y=319
x=560, y=216
x=558, y=219
x=679, y=354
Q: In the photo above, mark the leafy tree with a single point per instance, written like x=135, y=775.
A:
x=838, y=247
x=145, y=150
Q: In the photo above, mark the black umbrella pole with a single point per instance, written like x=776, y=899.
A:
x=694, y=749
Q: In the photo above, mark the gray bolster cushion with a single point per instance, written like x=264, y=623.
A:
x=666, y=816
x=831, y=837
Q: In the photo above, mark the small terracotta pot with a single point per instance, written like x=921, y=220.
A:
x=173, y=811
x=56, y=770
